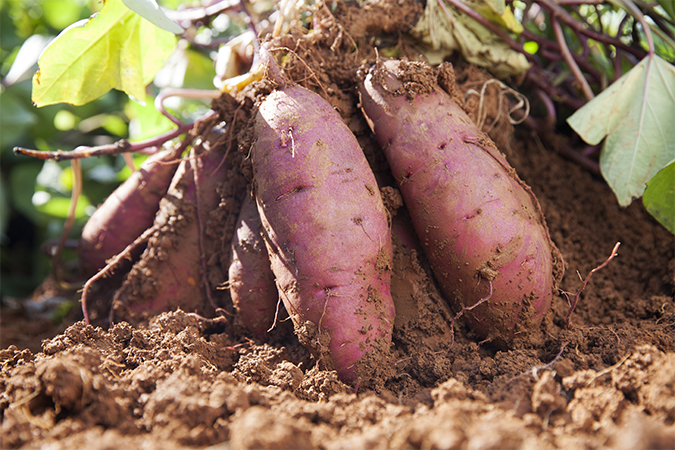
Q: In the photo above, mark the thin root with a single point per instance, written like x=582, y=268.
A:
x=535, y=369
x=608, y=370
x=573, y=304
x=481, y=116
x=466, y=308
x=311, y=72
x=276, y=314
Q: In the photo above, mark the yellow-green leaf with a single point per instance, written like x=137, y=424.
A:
x=496, y=12
x=114, y=49
x=146, y=121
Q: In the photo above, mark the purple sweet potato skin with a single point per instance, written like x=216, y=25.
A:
x=126, y=213
x=479, y=224
x=169, y=273
x=326, y=230
x=251, y=280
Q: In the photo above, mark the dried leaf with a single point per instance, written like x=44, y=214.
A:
x=458, y=32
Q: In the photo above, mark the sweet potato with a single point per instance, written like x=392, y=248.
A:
x=326, y=231
x=481, y=227
x=126, y=213
x=252, y=288
x=170, y=272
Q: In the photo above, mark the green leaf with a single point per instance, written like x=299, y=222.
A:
x=659, y=198
x=115, y=48
x=150, y=10
x=60, y=14
x=146, y=121
x=59, y=206
x=15, y=117
x=200, y=71
x=668, y=6
x=637, y=115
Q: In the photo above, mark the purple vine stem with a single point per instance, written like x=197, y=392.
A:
x=581, y=2
x=555, y=53
x=569, y=59
x=580, y=158
x=182, y=93
x=191, y=15
x=121, y=146
x=557, y=11
x=536, y=74
x=551, y=116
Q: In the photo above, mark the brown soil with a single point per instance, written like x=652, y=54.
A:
x=181, y=380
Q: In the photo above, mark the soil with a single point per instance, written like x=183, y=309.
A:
x=182, y=380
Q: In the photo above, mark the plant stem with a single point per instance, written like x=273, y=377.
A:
x=634, y=11
x=118, y=147
x=565, y=17
x=199, y=14
x=580, y=2
x=542, y=80
x=585, y=87
x=555, y=47
x=655, y=15
x=182, y=93
x=70, y=219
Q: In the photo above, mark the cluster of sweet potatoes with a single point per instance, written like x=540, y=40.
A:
x=315, y=235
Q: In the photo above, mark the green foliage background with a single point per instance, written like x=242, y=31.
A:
x=27, y=220
x=34, y=194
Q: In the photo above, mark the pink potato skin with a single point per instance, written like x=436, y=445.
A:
x=326, y=231
x=479, y=224
x=251, y=280
x=126, y=213
x=169, y=274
